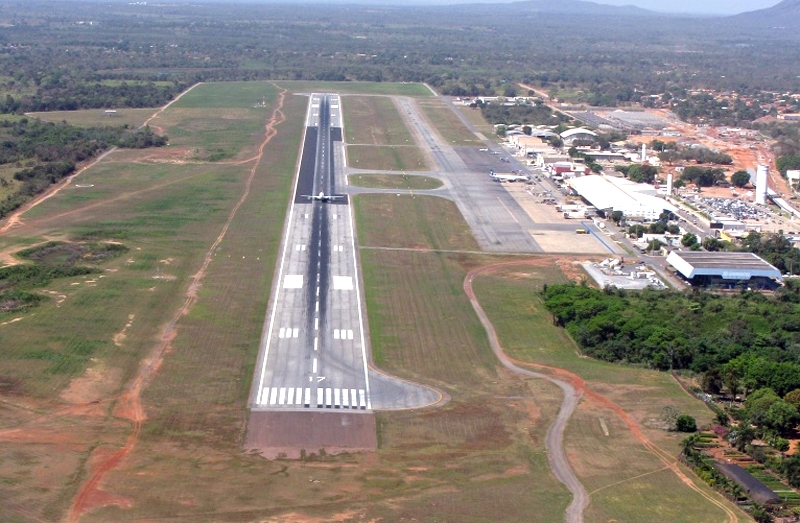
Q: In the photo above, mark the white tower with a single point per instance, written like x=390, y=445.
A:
x=762, y=174
x=644, y=152
x=669, y=184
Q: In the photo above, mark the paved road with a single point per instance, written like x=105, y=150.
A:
x=315, y=353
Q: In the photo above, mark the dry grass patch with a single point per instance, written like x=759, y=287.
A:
x=97, y=117
x=448, y=123
x=374, y=120
x=476, y=118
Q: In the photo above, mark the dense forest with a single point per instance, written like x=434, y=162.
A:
x=753, y=335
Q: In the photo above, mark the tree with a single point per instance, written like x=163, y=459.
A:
x=758, y=404
x=781, y=416
x=689, y=239
x=793, y=398
x=787, y=163
x=711, y=381
x=617, y=216
x=740, y=178
x=685, y=423
x=792, y=466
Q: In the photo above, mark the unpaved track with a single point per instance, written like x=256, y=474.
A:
x=130, y=405
x=554, y=442
x=15, y=218
x=574, y=387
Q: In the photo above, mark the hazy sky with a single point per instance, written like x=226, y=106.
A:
x=729, y=7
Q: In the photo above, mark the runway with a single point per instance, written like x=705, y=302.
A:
x=314, y=354
x=313, y=374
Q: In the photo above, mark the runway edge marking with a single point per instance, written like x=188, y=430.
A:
x=277, y=284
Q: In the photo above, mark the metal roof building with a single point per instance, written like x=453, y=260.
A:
x=722, y=267
x=578, y=134
x=635, y=200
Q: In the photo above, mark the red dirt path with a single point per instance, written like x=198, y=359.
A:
x=130, y=405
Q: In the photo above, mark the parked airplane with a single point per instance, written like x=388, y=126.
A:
x=322, y=197
x=509, y=177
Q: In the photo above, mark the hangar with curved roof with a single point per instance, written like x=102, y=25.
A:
x=578, y=134
x=724, y=268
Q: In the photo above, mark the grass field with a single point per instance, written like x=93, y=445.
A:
x=394, y=181
x=374, y=120
x=428, y=222
x=380, y=88
x=379, y=137
x=386, y=158
x=630, y=483
x=97, y=117
x=479, y=458
x=476, y=118
x=447, y=123
x=89, y=339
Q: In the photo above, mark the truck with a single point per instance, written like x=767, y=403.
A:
x=575, y=214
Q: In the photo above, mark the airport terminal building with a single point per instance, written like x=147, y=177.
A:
x=724, y=269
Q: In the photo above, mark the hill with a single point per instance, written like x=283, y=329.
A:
x=785, y=14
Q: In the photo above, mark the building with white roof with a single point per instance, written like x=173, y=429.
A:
x=578, y=134
x=634, y=200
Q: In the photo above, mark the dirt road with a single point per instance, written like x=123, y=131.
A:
x=554, y=442
x=130, y=405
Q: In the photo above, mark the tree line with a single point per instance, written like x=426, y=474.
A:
x=45, y=153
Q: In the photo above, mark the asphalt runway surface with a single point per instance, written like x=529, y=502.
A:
x=314, y=353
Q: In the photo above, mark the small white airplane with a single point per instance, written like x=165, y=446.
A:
x=509, y=177
x=323, y=197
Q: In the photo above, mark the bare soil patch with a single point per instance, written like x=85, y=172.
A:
x=293, y=434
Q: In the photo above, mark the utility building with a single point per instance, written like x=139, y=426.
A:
x=724, y=269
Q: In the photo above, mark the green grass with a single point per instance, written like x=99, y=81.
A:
x=395, y=181
x=417, y=222
x=385, y=158
x=345, y=88
x=526, y=332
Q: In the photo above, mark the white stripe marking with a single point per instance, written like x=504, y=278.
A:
x=314, y=366
x=345, y=398
x=327, y=397
x=308, y=397
x=282, y=332
x=349, y=334
x=316, y=344
x=320, y=397
x=290, y=396
x=336, y=401
x=353, y=401
x=298, y=397
x=273, y=395
x=362, y=400
x=316, y=324
x=295, y=333
x=335, y=334
x=282, y=396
